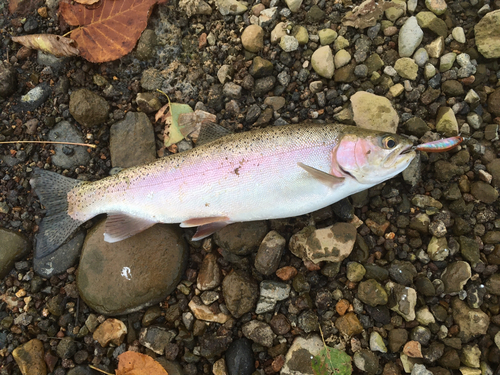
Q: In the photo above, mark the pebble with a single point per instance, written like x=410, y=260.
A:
x=494, y=102
x=267, y=16
x=406, y=68
x=300, y=33
x=252, y=38
x=355, y=272
x=278, y=32
x=455, y=276
x=458, y=34
x=446, y=61
x=340, y=43
x=132, y=141
x=289, y=43
x=241, y=238
x=270, y=293
x=438, y=7
x=421, y=57
x=349, y=325
x=14, y=247
x=300, y=349
x=435, y=48
x=230, y=7
x=322, y=62
x=239, y=358
x=342, y=58
x=472, y=322
x=231, y=90
x=405, y=299
x=30, y=358
x=410, y=37
x=260, y=68
x=366, y=361
x=88, y=108
x=133, y=282
x=34, y=98
x=377, y=343
x=156, y=338
x=259, y=332
x=424, y=316
x=471, y=356
x=209, y=276
x=487, y=35
x=372, y=293
x=484, y=192
x=205, y=313
x=66, y=348
x=446, y=122
x=438, y=249
x=111, y=331
x=8, y=79
x=327, y=36
x=293, y=5
x=269, y=254
x=374, y=112
x=240, y=293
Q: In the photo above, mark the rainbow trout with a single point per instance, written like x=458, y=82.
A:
x=270, y=173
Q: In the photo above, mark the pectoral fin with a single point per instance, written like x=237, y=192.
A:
x=323, y=177
x=206, y=230
x=120, y=226
x=199, y=221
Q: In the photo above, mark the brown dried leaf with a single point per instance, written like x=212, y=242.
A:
x=367, y=13
x=108, y=31
x=132, y=363
x=86, y=2
x=54, y=44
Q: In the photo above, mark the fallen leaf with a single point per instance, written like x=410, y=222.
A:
x=191, y=123
x=86, y=2
x=133, y=363
x=172, y=133
x=367, y=13
x=110, y=30
x=331, y=361
x=54, y=44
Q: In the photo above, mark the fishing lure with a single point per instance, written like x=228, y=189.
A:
x=440, y=145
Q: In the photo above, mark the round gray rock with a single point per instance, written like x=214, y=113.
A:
x=88, y=108
x=14, y=246
x=68, y=156
x=126, y=276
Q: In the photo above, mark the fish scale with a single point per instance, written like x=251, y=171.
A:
x=269, y=173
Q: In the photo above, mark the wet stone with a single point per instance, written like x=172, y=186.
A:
x=30, y=358
x=298, y=357
x=111, y=331
x=239, y=358
x=269, y=254
x=240, y=293
x=372, y=293
x=402, y=272
x=241, y=238
x=66, y=348
x=469, y=250
x=35, y=98
x=156, y=338
x=403, y=300
x=484, y=192
x=366, y=361
x=371, y=111
x=472, y=322
x=209, y=276
x=349, y=325
x=493, y=284
x=68, y=156
x=14, y=247
x=101, y=274
x=455, y=276
x=259, y=332
x=88, y=108
x=397, y=338
x=270, y=293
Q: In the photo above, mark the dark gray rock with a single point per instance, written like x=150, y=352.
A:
x=240, y=293
x=7, y=79
x=269, y=254
x=241, y=238
x=14, y=246
x=239, y=358
x=66, y=348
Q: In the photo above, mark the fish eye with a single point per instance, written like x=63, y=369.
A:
x=389, y=142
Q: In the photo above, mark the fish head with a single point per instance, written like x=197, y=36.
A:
x=371, y=157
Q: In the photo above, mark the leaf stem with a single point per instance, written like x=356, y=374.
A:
x=51, y=142
x=98, y=369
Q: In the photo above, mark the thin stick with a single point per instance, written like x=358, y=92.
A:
x=98, y=369
x=51, y=142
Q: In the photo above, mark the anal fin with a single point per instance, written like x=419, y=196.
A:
x=323, y=177
x=207, y=229
x=120, y=226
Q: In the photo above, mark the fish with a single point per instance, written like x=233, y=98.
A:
x=270, y=173
x=441, y=145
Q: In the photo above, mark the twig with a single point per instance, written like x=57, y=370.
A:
x=51, y=142
x=98, y=369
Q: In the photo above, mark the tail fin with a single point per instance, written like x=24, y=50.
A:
x=52, y=190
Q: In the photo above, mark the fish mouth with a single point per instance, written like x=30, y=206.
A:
x=407, y=150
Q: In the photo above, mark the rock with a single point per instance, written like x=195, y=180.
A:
x=471, y=356
x=239, y=358
x=262, y=86
x=269, y=254
x=156, y=338
x=276, y=102
x=421, y=57
x=402, y=272
x=487, y=33
x=349, y=325
x=66, y=348
x=270, y=293
x=209, y=276
x=14, y=246
x=110, y=331
x=259, y=332
x=377, y=343
x=416, y=126
x=30, y=358
x=293, y=5
x=327, y=36
x=240, y=293
x=231, y=90
x=452, y=88
x=298, y=357
x=410, y=37
x=403, y=300
x=133, y=282
x=314, y=14
x=446, y=122
x=446, y=61
x=425, y=317
x=406, y=68
x=8, y=79
x=35, y=98
x=289, y=43
x=322, y=62
x=148, y=102
x=230, y=7
x=438, y=7
x=355, y=272
x=300, y=33
x=472, y=322
x=88, y=108
x=260, y=67
x=203, y=312
x=459, y=34
x=342, y=58
x=241, y=238
x=372, y=293
x=60, y=260
x=132, y=141
x=436, y=48
x=374, y=112
x=252, y=38
x=146, y=45
x=493, y=284
x=366, y=361
x=438, y=249
x=332, y=244
x=68, y=156
x=373, y=62
x=278, y=32
x=455, y=276
x=494, y=102
x=484, y=192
